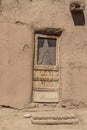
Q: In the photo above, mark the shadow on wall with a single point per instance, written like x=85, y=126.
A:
x=78, y=18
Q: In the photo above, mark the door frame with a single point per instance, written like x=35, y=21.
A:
x=38, y=67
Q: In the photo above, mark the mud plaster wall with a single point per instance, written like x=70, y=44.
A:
x=18, y=20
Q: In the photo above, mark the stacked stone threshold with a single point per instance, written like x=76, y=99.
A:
x=56, y=117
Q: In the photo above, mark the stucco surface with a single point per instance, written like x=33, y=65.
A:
x=15, y=65
x=18, y=21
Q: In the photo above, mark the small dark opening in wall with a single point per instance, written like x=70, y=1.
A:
x=77, y=5
x=78, y=18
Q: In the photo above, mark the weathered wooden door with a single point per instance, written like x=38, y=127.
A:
x=46, y=74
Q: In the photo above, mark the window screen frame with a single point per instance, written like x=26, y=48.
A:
x=45, y=67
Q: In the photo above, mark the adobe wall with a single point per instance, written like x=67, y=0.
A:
x=18, y=21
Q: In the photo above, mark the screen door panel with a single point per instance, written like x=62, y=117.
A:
x=46, y=51
x=46, y=69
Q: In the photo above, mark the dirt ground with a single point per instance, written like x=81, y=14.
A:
x=13, y=119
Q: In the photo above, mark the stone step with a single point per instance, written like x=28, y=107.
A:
x=54, y=118
x=55, y=122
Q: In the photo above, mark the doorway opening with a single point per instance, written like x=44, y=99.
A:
x=46, y=69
